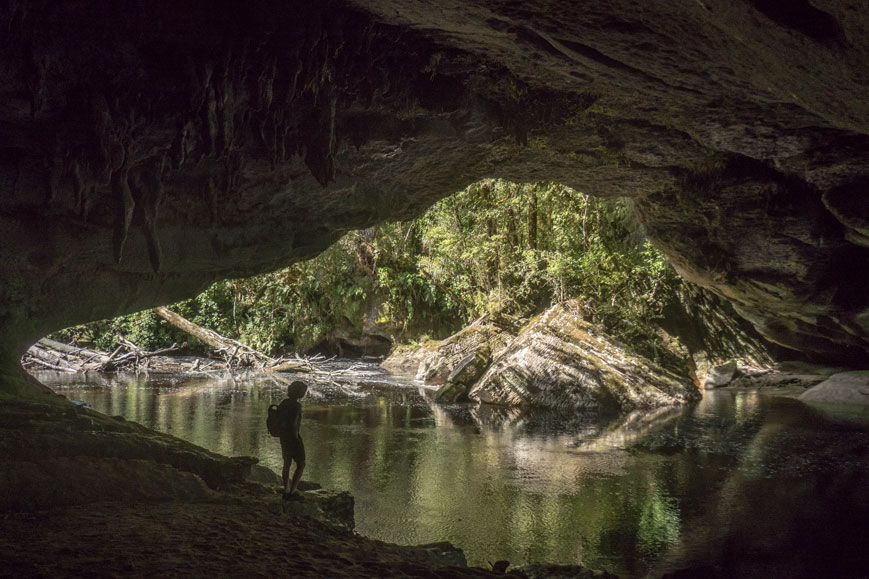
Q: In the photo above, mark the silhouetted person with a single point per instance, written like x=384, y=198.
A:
x=292, y=446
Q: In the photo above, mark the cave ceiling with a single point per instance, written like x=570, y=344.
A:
x=150, y=148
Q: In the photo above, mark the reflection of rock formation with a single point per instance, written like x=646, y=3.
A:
x=498, y=417
x=587, y=432
x=629, y=428
x=442, y=417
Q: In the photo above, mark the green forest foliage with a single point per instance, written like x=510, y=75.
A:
x=495, y=246
x=520, y=248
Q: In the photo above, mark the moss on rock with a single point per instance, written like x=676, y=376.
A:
x=561, y=361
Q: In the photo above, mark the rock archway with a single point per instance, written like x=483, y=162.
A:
x=149, y=149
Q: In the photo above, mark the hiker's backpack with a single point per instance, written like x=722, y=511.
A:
x=276, y=420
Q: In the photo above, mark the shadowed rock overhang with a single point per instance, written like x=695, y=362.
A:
x=148, y=149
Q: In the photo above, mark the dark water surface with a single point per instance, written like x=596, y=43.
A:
x=750, y=485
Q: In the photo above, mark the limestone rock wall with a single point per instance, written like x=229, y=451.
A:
x=57, y=454
x=769, y=247
x=709, y=333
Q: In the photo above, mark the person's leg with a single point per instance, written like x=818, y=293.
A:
x=288, y=459
x=285, y=475
x=297, y=476
x=299, y=457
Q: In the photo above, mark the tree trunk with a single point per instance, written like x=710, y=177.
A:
x=491, y=275
x=532, y=217
x=231, y=350
x=72, y=350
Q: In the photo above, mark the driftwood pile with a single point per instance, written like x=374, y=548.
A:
x=53, y=355
x=234, y=353
x=229, y=354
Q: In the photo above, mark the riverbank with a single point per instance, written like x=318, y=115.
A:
x=85, y=494
x=228, y=535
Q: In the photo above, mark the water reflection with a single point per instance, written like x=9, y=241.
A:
x=793, y=500
x=734, y=481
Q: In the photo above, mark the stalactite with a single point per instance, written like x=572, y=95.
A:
x=177, y=153
x=155, y=253
x=126, y=205
x=320, y=155
x=104, y=157
x=211, y=196
x=146, y=184
x=58, y=169
x=77, y=185
x=209, y=121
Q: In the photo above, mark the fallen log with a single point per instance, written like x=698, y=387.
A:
x=292, y=366
x=135, y=358
x=54, y=355
x=74, y=351
x=32, y=358
x=237, y=354
x=230, y=350
x=46, y=355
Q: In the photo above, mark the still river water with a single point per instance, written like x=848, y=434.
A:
x=748, y=484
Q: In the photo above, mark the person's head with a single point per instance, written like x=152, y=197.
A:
x=297, y=389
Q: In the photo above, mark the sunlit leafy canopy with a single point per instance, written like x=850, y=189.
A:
x=520, y=247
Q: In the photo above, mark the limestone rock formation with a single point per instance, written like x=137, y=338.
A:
x=56, y=454
x=147, y=150
x=465, y=375
x=711, y=333
x=561, y=361
x=349, y=341
x=336, y=507
x=406, y=361
x=720, y=375
x=488, y=333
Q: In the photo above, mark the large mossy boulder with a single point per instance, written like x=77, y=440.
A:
x=562, y=361
x=493, y=333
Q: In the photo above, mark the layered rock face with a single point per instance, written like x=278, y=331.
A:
x=488, y=336
x=561, y=361
x=149, y=149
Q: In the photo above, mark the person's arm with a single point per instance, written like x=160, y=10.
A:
x=297, y=424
